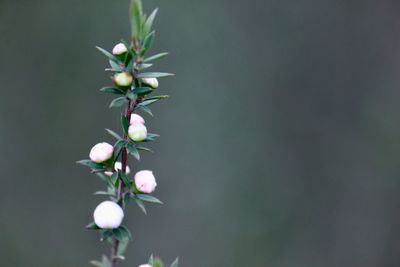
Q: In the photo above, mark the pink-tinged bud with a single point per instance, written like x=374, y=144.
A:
x=145, y=181
x=152, y=82
x=137, y=132
x=108, y=215
x=123, y=79
x=145, y=265
x=118, y=166
x=101, y=152
x=119, y=49
x=136, y=119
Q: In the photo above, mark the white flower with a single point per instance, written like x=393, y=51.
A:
x=119, y=49
x=145, y=181
x=101, y=152
x=118, y=166
x=108, y=215
x=123, y=79
x=145, y=265
x=136, y=119
x=137, y=132
x=152, y=82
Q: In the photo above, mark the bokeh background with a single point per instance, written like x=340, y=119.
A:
x=279, y=145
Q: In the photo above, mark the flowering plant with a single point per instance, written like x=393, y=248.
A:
x=133, y=85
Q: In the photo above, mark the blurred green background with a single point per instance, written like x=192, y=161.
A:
x=279, y=145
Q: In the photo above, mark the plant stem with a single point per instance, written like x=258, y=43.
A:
x=130, y=106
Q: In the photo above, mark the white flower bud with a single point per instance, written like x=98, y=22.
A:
x=145, y=265
x=145, y=181
x=136, y=119
x=152, y=82
x=119, y=49
x=137, y=132
x=123, y=79
x=118, y=166
x=108, y=215
x=101, y=152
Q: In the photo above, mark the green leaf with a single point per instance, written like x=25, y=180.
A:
x=133, y=151
x=175, y=263
x=151, y=137
x=141, y=205
x=125, y=179
x=148, y=198
x=142, y=90
x=145, y=66
x=117, y=149
x=124, y=123
x=123, y=244
x=114, y=178
x=126, y=198
x=92, y=226
x=106, y=234
x=136, y=18
x=112, y=90
x=150, y=261
x=146, y=109
x=154, y=74
x=155, y=57
x=149, y=22
x=125, y=232
x=104, y=263
x=115, y=66
x=148, y=41
x=104, y=193
x=107, y=54
x=91, y=164
x=131, y=95
x=114, y=134
x=158, y=97
x=158, y=263
x=148, y=102
x=102, y=177
x=118, y=102
x=144, y=149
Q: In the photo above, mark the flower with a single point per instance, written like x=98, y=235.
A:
x=108, y=215
x=119, y=49
x=136, y=119
x=123, y=79
x=137, y=132
x=152, y=82
x=145, y=265
x=145, y=181
x=118, y=166
x=101, y=152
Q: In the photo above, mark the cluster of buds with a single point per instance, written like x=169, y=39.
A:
x=110, y=162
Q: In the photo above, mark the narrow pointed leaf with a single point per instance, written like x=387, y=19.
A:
x=132, y=150
x=142, y=90
x=124, y=123
x=150, y=261
x=175, y=263
x=114, y=134
x=112, y=90
x=107, y=54
x=148, y=198
x=92, y=226
x=149, y=22
x=118, y=102
x=91, y=164
x=144, y=149
x=141, y=205
x=155, y=57
x=146, y=109
x=154, y=74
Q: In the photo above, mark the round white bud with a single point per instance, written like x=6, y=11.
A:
x=101, y=152
x=145, y=265
x=108, y=215
x=136, y=119
x=152, y=82
x=123, y=79
x=137, y=132
x=145, y=181
x=119, y=49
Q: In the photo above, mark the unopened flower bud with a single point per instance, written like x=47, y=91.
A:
x=108, y=215
x=137, y=132
x=145, y=265
x=145, y=181
x=136, y=119
x=152, y=82
x=101, y=152
x=119, y=49
x=118, y=166
x=123, y=79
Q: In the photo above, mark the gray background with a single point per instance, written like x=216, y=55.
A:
x=279, y=145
